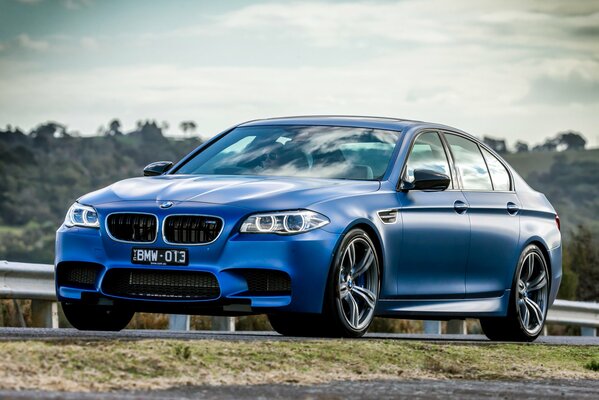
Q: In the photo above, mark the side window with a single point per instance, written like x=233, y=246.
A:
x=470, y=163
x=499, y=175
x=427, y=153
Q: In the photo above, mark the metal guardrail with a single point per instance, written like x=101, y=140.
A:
x=27, y=281
x=574, y=313
x=36, y=282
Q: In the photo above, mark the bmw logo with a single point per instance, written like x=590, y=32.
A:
x=166, y=204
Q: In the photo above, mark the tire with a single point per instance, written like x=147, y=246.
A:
x=350, y=297
x=295, y=324
x=97, y=318
x=528, y=304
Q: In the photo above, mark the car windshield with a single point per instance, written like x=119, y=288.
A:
x=304, y=151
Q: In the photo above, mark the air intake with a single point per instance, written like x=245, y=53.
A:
x=78, y=274
x=388, y=216
x=263, y=282
x=160, y=284
x=191, y=229
x=132, y=227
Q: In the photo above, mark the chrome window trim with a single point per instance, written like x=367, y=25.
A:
x=191, y=215
x=131, y=212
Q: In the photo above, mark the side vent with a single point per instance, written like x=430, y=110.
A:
x=388, y=216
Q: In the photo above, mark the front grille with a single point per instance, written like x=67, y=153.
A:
x=131, y=227
x=191, y=229
x=161, y=284
x=81, y=275
x=267, y=282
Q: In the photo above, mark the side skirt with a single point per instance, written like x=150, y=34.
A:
x=444, y=308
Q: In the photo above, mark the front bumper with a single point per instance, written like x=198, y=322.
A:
x=305, y=258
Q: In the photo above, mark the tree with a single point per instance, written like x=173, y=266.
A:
x=549, y=145
x=114, y=128
x=572, y=140
x=581, y=256
x=521, y=147
x=48, y=130
x=188, y=126
x=496, y=144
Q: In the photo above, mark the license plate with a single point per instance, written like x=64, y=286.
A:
x=159, y=256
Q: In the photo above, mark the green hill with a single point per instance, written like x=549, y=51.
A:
x=569, y=179
x=45, y=171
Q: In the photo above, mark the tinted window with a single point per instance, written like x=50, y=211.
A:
x=470, y=163
x=305, y=151
x=427, y=153
x=499, y=175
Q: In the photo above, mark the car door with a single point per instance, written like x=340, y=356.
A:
x=494, y=220
x=436, y=228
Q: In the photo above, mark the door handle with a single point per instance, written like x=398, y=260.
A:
x=460, y=207
x=512, y=208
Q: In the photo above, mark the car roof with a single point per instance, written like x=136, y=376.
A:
x=388, y=123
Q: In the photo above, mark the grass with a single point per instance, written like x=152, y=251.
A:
x=153, y=364
x=593, y=365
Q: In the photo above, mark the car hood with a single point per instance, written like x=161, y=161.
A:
x=252, y=192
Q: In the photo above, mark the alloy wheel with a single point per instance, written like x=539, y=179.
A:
x=358, y=284
x=531, y=298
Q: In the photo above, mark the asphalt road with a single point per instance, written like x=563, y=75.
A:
x=72, y=334
x=364, y=390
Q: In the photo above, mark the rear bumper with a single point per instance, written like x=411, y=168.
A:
x=304, y=258
x=555, y=261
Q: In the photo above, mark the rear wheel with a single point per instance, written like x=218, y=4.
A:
x=350, y=298
x=97, y=318
x=528, y=301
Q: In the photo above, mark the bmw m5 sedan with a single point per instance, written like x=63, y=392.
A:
x=322, y=223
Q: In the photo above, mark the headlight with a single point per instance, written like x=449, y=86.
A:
x=80, y=215
x=284, y=222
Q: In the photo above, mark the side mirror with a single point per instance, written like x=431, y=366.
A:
x=425, y=179
x=157, y=168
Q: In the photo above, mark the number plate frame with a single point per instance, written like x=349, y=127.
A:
x=154, y=256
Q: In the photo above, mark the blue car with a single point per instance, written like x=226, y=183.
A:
x=322, y=223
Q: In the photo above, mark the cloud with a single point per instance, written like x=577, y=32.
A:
x=89, y=42
x=25, y=41
x=469, y=66
x=572, y=89
x=76, y=4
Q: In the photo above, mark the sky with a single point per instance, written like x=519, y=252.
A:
x=520, y=70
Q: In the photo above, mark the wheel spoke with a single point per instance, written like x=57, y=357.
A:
x=354, y=310
x=351, y=255
x=529, y=265
x=535, y=309
x=364, y=264
x=538, y=283
x=368, y=296
x=343, y=290
x=521, y=286
x=525, y=315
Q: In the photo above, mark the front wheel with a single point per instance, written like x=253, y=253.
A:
x=354, y=285
x=528, y=301
x=97, y=318
x=351, y=294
